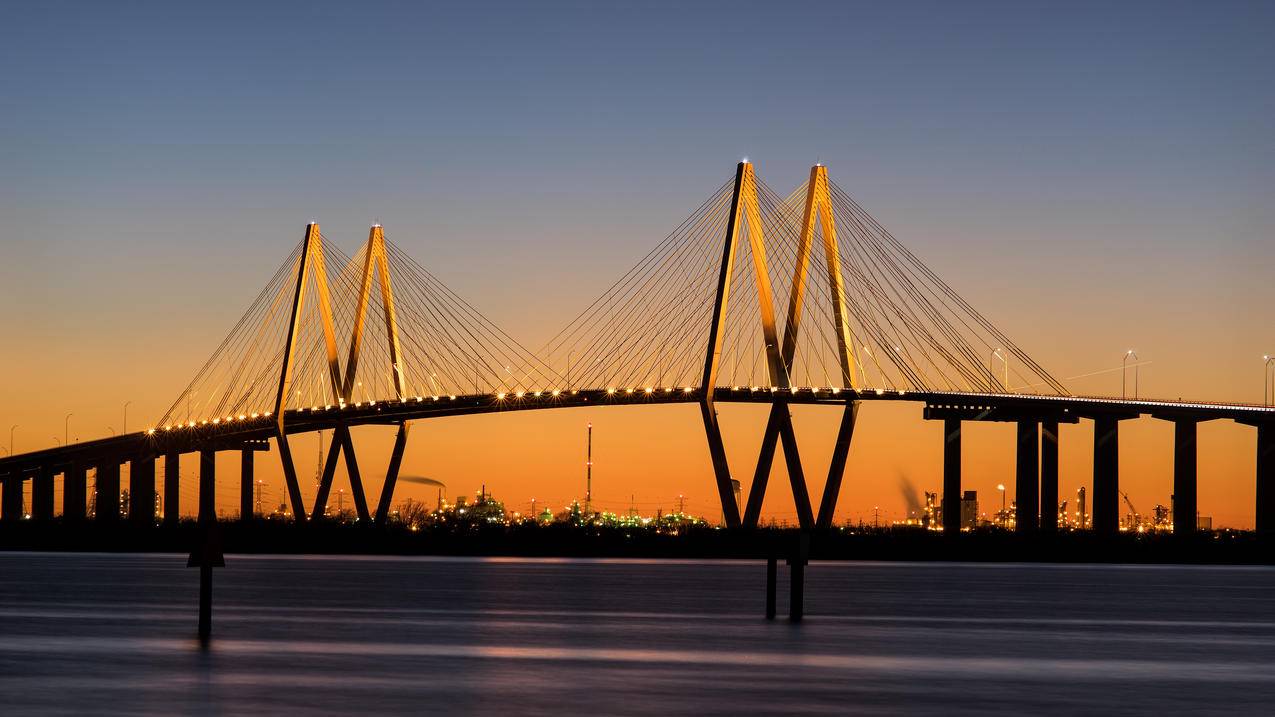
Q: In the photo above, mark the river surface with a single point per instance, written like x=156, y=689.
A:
x=83, y=634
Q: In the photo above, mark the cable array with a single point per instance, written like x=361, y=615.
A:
x=447, y=347
x=909, y=329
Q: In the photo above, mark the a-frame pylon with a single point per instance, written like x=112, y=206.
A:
x=744, y=207
x=310, y=267
x=375, y=261
x=818, y=208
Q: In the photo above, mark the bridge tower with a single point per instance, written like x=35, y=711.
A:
x=779, y=358
x=310, y=268
x=375, y=266
x=818, y=211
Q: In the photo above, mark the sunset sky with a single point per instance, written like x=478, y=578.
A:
x=1093, y=177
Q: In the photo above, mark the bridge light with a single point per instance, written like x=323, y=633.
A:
x=500, y=396
x=518, y=394
x=628, y=390
x=610, y=391
x=648, y=389
x=686, y=390
x=555, y=392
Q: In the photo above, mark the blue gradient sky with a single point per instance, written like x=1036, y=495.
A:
x=1093, y=176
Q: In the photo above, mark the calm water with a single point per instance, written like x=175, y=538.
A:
x=112, y=633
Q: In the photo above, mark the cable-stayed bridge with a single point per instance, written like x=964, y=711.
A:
x=756, y=297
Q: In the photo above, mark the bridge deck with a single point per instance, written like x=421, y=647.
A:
x=232, y=432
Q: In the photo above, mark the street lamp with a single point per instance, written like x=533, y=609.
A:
x=991, y=362
x=1001, y=487
x=124, y=428
x=66, y=427
x=1130, y=354
x=11, y=430
x=1267, y=397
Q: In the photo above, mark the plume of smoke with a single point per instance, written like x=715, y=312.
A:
x=910, y=495
x=422, y=480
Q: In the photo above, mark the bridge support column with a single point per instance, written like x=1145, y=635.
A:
x=207, y=487
x=1184, y=477
x=12, y=509
x=721, y=468
x=1106, y=475
x=1266, y=479
x=246, y=487
x=141, y=491
x=391, y=475
x=75, y=485
x=172, y=488
x=951, y=476
x=1027, y=478
x=837, y=468
x=42, y=494
x=107, y=500
x=1049, y=476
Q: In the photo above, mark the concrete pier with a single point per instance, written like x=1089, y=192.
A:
x=1184, y=477
x=1027, y=477
x=172, y=488
x=951, y=476
x=75, y=490
x=42, y=494
x=246, y=486
x=1266, y=478
x=141, y=490
x=1049, y=476
x=12, y=510
x=207, y=486
x=107, y=501
x=1106, y=475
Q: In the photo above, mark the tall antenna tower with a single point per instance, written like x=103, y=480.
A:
x=588, y=473
x=318, y=464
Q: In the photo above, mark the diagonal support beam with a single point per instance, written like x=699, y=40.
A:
x=757, y=491
x=721, y=469
x=356, y=479
x=342, y=444
x=375, y=258
x=391, y=475
x=837, y=468
x=325, y=480
x=818, y=211
x=743, y=208
x=310, y=267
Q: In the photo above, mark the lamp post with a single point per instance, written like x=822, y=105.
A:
x=991, y=362
x=1123, y=370
x=11, y=430
x=124, y=426
x=1267, y=398
x=66, y=427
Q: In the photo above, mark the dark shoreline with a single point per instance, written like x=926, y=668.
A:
x=1220, y=548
